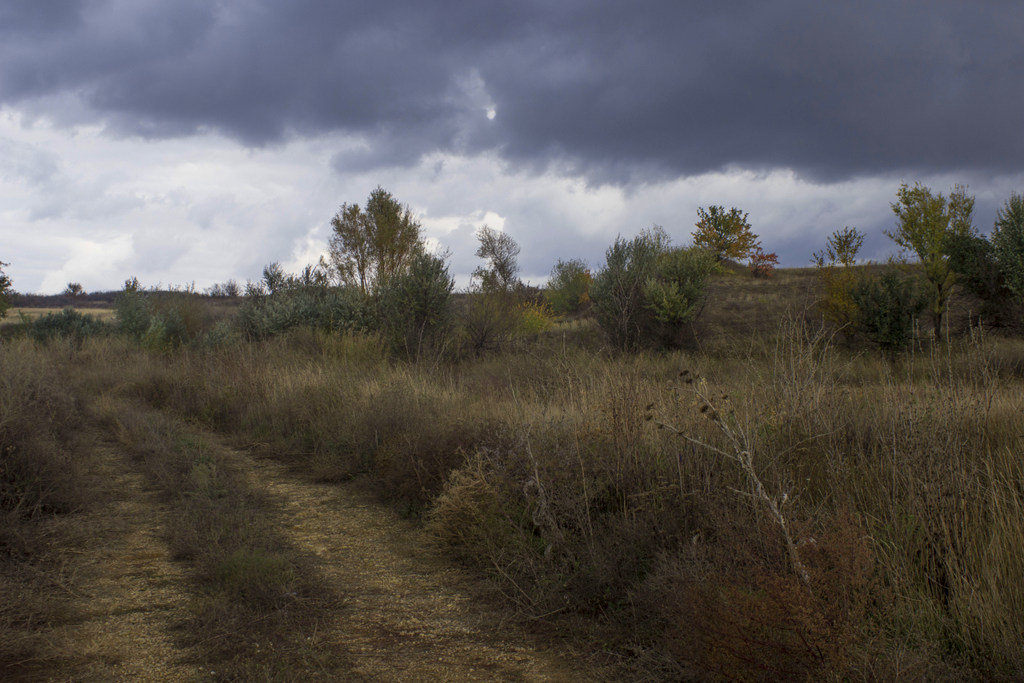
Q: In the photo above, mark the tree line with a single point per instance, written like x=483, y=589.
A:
x=379, y=275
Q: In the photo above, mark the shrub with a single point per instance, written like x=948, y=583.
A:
x=68, y=324
x=972, y=258
x=646, y=291
x=532, y=317
x=568, y=290
x=488, y=320
x=415, y=306
x=675, y=295
x=618, y=290
x=762, y=263
x=326, y=308
x=887, y=307
x=132, y=310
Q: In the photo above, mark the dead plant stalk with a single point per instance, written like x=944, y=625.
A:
x=741, y=452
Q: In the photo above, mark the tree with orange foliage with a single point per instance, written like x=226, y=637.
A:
x=726, y=234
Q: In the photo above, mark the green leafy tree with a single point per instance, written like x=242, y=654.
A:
x=491, y=316
x=74, y=289
x=926, y=225
x=568, y=290
x=501, y=257
x=371, y=246
x=726, y=234
x=838, y=277
x=6, y=288
x=1008, y=243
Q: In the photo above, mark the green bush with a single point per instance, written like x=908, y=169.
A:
x=326, y=308
x=886, y=308
x=132, y=310
x=68, y=324
x=676, y=293
x=973, y=259
x=647, y=292
x=618, y=290
x=414, y=308
x=132, y=314
x=568, y=290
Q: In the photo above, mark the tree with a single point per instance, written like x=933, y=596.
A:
x=5, y=290
x=1008, y=243
x=838, y=278
x=841, y=248
x=74, y=289
x=726, y=234
x=491, y=316
x=501, y=254
x=274, y=277
x=568, y=290
x=371, y=246
x=926, y=225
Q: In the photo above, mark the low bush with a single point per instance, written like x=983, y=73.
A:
x=69, y=324
x=325, y=308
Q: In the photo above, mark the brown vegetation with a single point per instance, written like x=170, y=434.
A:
x=895, y=483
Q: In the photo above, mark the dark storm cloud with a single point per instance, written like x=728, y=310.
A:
x=613, y=90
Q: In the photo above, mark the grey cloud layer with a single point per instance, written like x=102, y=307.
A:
x=613, y=90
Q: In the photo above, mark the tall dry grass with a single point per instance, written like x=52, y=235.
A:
x=43, y=461
x=899, y=485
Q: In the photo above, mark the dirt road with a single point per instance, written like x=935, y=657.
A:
x=393, y=608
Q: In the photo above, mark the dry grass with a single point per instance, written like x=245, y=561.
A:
x=43, y=465
x=900, y=483
x=14, y=314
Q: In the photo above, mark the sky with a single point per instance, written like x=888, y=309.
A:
x=193, y=141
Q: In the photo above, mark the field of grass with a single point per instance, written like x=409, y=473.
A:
x=770, y=503
x=14, y=315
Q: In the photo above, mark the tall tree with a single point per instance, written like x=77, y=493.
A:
x=926, y=225
x=371, y=246
x=1008, y=243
